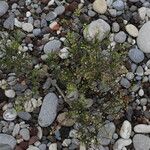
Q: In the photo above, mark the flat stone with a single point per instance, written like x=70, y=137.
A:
x=48, y=110
x=98, y=29
x=132, y=30
x=31, y=147
x=121, y=143
x=125, y=130
x=105, y=133
x=9, y=22
x=142, y=128
x=16, y=130
x=100, y=6
x=3, y=7
x=144, y=38
x=7, y=139
x=141, y=142
x=24, y=115
x=59, y=10
x=52, y=46
x=25, y=134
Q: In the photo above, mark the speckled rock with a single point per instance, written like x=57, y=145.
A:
x=97, y=29
x=100, y=6
x=48, y=110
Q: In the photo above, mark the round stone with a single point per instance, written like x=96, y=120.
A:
x=118, y=5
x=3, y=7
x=25, y=134
x=51, y=15
x=10, y=114
x=136, y=55
x=52, y=46
x=98, y=29
x=120, y=37
x=132, y=30
x=10, y=93
x=28, y=27
x=144, y=38
x=100, y=6
x=125, y=83
x=59, y=10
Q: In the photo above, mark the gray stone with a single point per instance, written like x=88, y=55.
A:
x=121, y=143
x=37, y=32
x=118, y=5
x=142, y=128
x=24, y=115
x=97, y=29
x=9, y=22
x=139, y=71
x=125, y=83
x=120, y=37
x=42, y=147
x=141, y=142
x=7, y=139
x=3, y=8
x=25, y=134
x=5, y=147
x=106, y=132
x=48, y=110
x=10, y=114
x=28, y=27
x=59, y=10
x=16, y=130
x=136, y=55
x=144, y=38
x=52, y=46
x=51, y=15
x=115, y=27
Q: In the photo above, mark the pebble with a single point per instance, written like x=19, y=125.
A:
x=130, y=76
x=28, y=27
x=48, y=110
x=142, y=12
x=143, y=101
x=7, y=139
x=16, y=130
x=100, y=6
x=139, y=71
x=52, y=46
x=97, y=29
x=42, y=147
x=3, y=7
x=53, y=146
x=66, y=142
x=119, y=144
x=144, y=38
x=10, y=93
x=141, y=142
x=64, y=53
x=25, y=134
x=50, y=16
x=10, y=114
x=136, y=55
x=9, y=22
x=31, y=147
x=59, y=10
x=142, y=128
x=132, y=30
x=115, y=27
x=141, y=92
x=120, y=37
x=125, y=131
x=24, y=115
x=106, y=132
x=118, y=5
x=125, y=83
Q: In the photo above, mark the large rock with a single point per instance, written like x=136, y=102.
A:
x=97, y=29
x=144, y=38
x=100, y=6
x=48, y=110
x=5, y=147
x=3, y=8
x=105, y=133
x=141, y=142
x=8, y=139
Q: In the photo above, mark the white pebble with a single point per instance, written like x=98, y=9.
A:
x=28, y=14
x=142, y=128
x=10, y=93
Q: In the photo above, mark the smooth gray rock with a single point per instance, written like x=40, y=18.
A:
x=144, y=38
x=141, y=142
x=118, y=5
x=48, y=110
x=3, y=8
x=5, y=147
x=120, y=37
x=9, y=22
x=8, y=139
x=136, y=55
x=24, y=115
x=25, y=134
x=51, y=15
x=97, y=29
x=125, y=83
x=59, y=10
x=42, y=147
x=105, y=133
x=52, y=46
